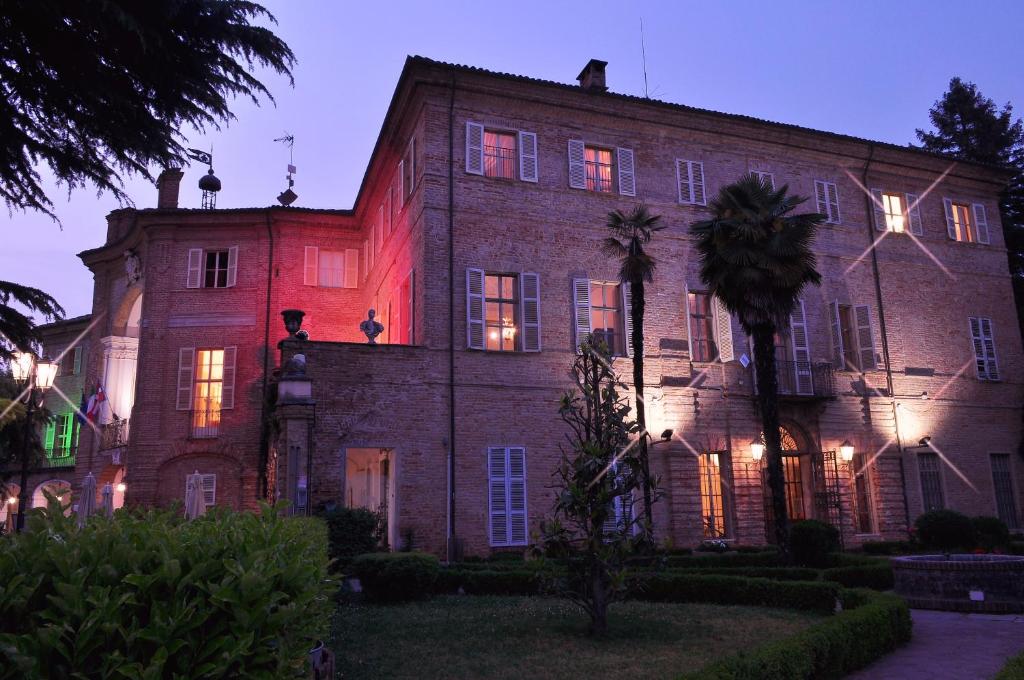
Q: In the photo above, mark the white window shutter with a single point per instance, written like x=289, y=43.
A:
x=980, y=222
x=474, y=148
x=227, y=398
x=581, y=303
x=627, y=316
x=310, y=266
x=366, y=258
x=78, y=359
x=475, y=308
x=821, y=197
x=497, y=493
x=412, y=309
x=194, y=274
x=879, y=209
x=186, y=366
x=801, y=349
x=351, y=267
x=683, y=181
x=401, y=184
x=990, y=348
x=577, y=166
x=528, y=170
x=697, y=181
x=766, y=177
x=950, y=222
x=529, y=299
x=865, y=337
x=984, y=348
x=914, y=213
x=627, y=175
x=209, y=484
x=833, y=203
x=838, y=355
x=232, y=266
x=516, y=495
x=723, y=330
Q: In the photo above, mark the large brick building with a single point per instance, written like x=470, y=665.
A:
x=476, y=237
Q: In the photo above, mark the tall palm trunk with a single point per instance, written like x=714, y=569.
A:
x=767, y=398
x=637, y=313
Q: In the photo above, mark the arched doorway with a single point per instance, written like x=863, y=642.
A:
x=55, y=487
x=8, y=507
x=810, y=478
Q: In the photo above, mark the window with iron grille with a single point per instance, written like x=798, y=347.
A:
x=598, y=165
x=714, y=486
x=931, y=481
x=208, y=388
x=502, y=303
x=1002, y=481
x=794, y=487
x=702, y=324
x=606, y=315
x=862, y=495
x=963, y=225
x=499, y=154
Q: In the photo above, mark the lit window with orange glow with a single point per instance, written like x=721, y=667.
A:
x=598, y=166
x=963, y=226
x=502, y=301
x=606, y=316
x=208, y=388
x=499, y=154
x=895, y=212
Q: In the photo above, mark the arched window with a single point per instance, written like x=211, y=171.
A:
x=56, y=487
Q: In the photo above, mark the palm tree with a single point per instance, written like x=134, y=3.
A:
x=629, y=235
x=756, y=258
x=18, y=331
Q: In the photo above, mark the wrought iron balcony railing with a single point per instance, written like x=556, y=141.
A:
x=204, y=423
x=114, y=435
x=57, y=459
x=804, y=379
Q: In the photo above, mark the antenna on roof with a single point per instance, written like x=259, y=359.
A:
x=287, y=197
x=643, y=56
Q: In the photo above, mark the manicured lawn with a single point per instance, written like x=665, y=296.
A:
x=533, y=637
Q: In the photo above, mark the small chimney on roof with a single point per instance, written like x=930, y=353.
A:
x=592, y=76
x=167, y=185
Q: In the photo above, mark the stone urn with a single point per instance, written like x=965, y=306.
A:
x=292, y=320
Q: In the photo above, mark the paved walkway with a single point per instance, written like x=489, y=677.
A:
x=951, y=646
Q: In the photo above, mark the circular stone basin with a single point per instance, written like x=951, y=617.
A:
x=971, y=583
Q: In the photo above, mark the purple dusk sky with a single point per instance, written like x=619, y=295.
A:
x=869, y=68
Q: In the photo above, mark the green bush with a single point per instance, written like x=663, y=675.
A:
x=757, y=559
x=1016, y=548
x=396, y=577
x=887, y=547
x=150, y=595
x=484, y=582
x=945, y=530
x=1013, y=670
x=870, y=626
x=351, y=532
x=718, y=589
x=812, y=541
x=774, y=573
x=875, y=576
x=990, y=533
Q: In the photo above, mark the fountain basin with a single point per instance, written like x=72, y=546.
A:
x=966, y=583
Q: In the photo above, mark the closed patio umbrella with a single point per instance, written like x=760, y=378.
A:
x=195, y=506
x=108, y=500
x=87, y=503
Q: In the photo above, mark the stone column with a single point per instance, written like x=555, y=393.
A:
x=295, y=415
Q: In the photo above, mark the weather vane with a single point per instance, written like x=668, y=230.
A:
x=208, y=183
x=287, y=197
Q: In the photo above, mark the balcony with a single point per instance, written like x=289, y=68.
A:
x=114, y=435
x=804, y=380
x=204, y=423
x=57, y=459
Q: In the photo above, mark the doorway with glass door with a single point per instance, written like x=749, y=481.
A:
x=370, y=484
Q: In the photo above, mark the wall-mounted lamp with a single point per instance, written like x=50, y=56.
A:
x=846, y=451
x=666, y=435
x=121, y=487
x=925, y=441
x=12, y=500
x=756, y=449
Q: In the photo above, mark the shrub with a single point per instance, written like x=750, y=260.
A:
x=876, y=576
x=812, y=542
x=500, y=582
x=990, y=533
x=887, y=547
x=774, y=573
x=1013, y=670
x=233, y=594
x=758, y=559
x=396, y=577
x=351, y=532
x=1016, y=548
x=713, y=545
x=945, y=530
x=718, y=589
x=873, y=625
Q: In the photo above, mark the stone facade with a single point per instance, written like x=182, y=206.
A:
x=425, y=408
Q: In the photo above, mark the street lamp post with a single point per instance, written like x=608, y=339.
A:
x=37, y=377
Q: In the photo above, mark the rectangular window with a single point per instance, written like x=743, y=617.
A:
x=506, y=487
x=216, y=269
x=690, y=181
x=851, y=361
x=714, y=486
x=598, y=166
x=984, y=345
x=405, y=312
x=606, y=315
x=501, y=301
x=499, y=154
x=862, y=495
x=895, y=213
x=931, y=481
x=794, y=479
x=61, y=438
x=853, y=343
x=702, y=324
x=71, y=362
x=208, y=484
x=207, y=392
x=1002, y=480
x=766, y=178
x=332, y=269
x=963, y=226
x=827, y=197
x=409, y=166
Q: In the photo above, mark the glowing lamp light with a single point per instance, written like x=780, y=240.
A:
x=12, y=500
x=21, y=367
x=756, y=449
x=46, y=371
x=121, y=487
x=846, y=451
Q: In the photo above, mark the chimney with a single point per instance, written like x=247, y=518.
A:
x=167, y=188
x=592, y=76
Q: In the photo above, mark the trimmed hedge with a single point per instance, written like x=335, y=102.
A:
x=812, y=542
x=396, y=577
x=483, y=582
x=350, y=532
x=887, y=547
x=874, y=576
x=150, y=595
x=758, y=592
x=945, y=530
x=1013, y=670
x=773, y=573
x=870, y=626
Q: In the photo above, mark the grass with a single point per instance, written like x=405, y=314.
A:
x=533, y=637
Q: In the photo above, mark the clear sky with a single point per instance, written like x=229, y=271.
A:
x=866, y=68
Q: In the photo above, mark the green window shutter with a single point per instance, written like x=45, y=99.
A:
x=51, y=430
